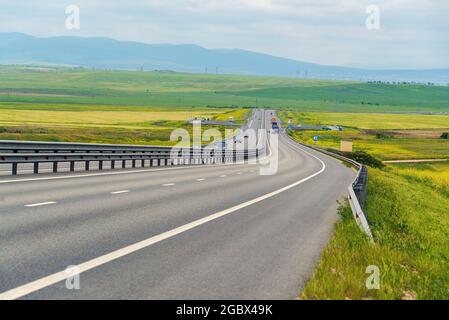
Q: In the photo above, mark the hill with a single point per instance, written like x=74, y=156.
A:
x=106, y=53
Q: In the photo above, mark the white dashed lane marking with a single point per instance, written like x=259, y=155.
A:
x=121, y=191
x=168, y=185
x=39, y=204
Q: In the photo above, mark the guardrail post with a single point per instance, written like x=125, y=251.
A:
x=134, y=163
x=360, y=187
x=123, y=164
x=55, y=167
x=36, y=167
x=142, y=163
x=14, y=169
x=87, y=165
x=72, y=166
x=112, y=164
x=100, y=165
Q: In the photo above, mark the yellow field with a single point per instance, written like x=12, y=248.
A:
x=435, y=175
x=379, y=134
x=373, y=120
x=123, y=119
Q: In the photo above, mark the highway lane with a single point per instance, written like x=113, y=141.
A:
x=263, y=250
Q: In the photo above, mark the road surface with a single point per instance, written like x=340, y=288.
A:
x=212, y=232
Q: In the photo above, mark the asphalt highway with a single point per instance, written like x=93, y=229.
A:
x=201, y=232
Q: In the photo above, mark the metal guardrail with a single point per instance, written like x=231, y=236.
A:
x=21, y=152
x=357, y=190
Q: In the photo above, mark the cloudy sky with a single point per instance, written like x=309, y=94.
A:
x=412, y=34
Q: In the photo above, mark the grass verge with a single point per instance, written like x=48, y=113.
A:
x=410, y=223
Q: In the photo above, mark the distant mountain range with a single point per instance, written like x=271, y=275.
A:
x=105, y=53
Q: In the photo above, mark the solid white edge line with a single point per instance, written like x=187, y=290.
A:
x=88, y=265
x=39, y=204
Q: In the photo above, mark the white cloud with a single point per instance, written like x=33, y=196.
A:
x=414, y=33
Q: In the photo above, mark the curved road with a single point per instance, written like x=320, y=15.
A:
x=213, y=232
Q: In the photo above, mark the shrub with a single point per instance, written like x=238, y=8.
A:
x=382, y=136
x=362, y=157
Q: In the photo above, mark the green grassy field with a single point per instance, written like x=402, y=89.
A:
x=60, y=104
x=407, y=209
x=44, y=86
x=46, y=103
